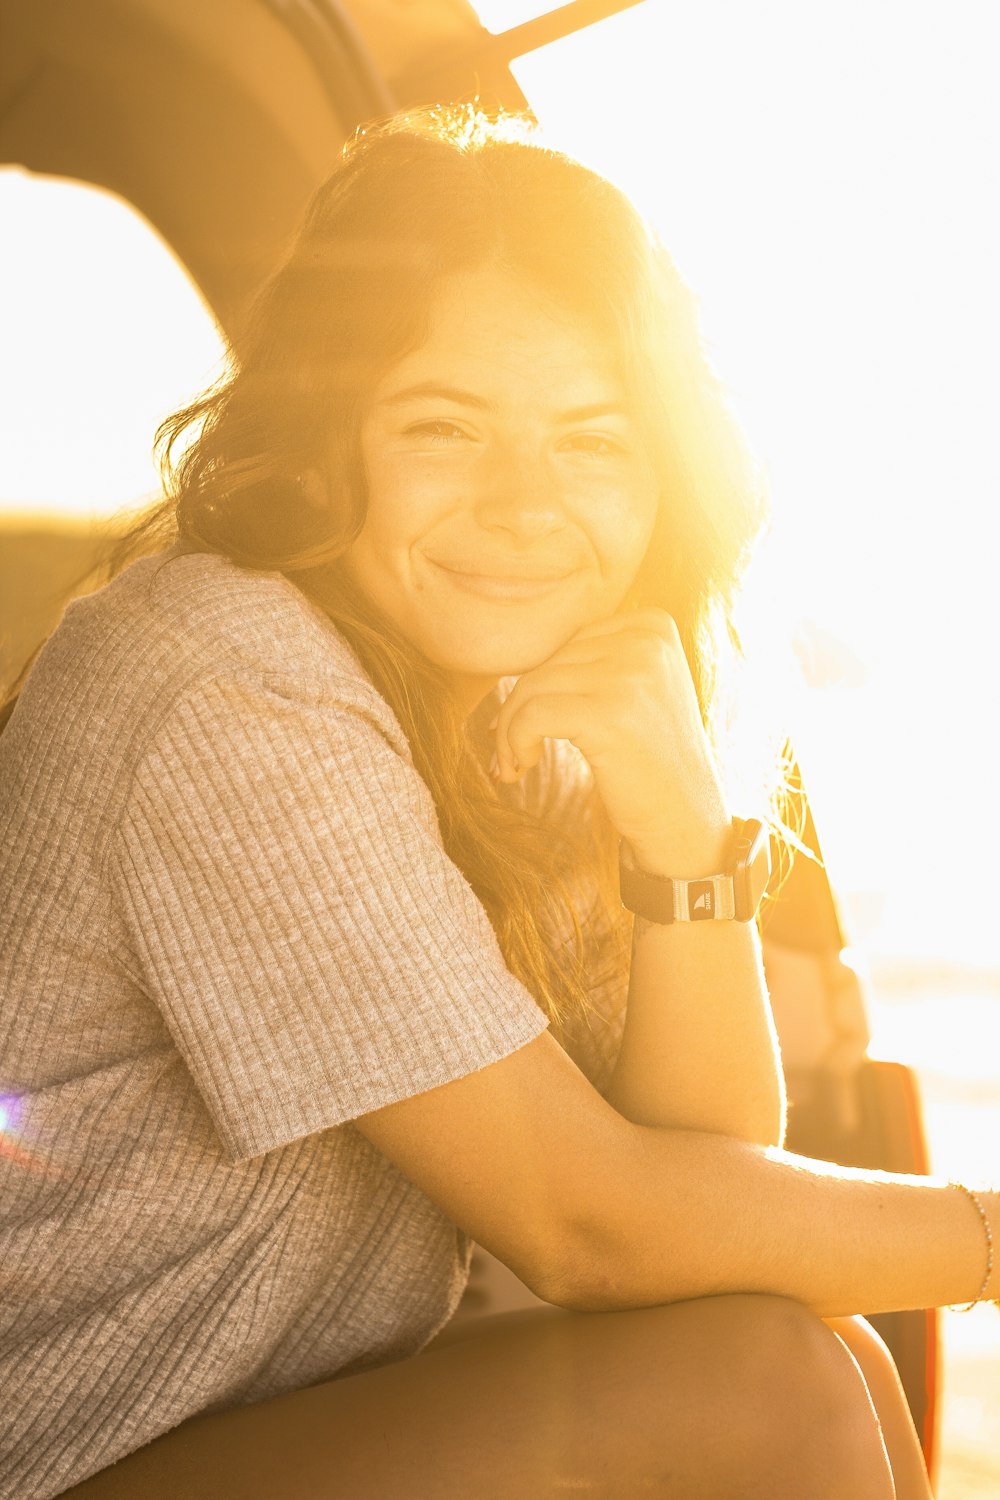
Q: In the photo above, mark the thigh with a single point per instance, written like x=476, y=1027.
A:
x=730, y=1396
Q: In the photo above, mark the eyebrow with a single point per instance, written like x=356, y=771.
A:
x=430, y=388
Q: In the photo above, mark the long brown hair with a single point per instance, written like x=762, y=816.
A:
x=414, y=201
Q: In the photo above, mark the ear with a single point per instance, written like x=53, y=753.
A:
x=314, y=489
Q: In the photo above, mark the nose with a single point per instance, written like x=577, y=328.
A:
x=518, y=494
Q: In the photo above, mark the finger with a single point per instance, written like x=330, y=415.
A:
x=595, y=641
x=558, y=680
x=618, y=663
x=649, y=647
x=557, y=716
x=660, y=621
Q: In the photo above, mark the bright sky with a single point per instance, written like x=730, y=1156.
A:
x=825, y=178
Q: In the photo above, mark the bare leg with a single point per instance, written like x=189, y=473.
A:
x=882, y=1379
x=724, y=1398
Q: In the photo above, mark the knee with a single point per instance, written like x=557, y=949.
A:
x=803, y=1403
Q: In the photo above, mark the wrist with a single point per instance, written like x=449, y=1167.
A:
x=731, y=889
x=991, y=1202
x=985, y=1204
x=676, y=856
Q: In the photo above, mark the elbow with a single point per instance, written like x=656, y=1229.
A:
x=566, y=1272
x=556, y=1268
x=577, y=1293
x=602, y=1278
x=557, y=1279
x=585, y=1273
x=586, y=1298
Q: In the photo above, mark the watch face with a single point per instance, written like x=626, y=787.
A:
x=753, y=870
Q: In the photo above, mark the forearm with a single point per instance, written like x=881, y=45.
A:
x=699, y=1049
x=671, y=1215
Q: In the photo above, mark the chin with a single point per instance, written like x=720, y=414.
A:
x=499, y=655
x=493, y=664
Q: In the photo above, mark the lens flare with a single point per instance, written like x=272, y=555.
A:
x=17, y=1150
x=10, y=1112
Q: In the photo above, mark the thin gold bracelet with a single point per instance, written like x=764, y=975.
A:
x=980, y=1210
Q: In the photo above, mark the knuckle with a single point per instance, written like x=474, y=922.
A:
x=650, y=647
x=658, y=621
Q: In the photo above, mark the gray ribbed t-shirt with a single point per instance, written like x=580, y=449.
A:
x=228, y=929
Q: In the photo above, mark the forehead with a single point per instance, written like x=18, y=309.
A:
x=494, y=331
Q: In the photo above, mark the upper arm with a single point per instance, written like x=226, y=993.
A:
x=514, y=1153
x=288, y=906
x=319, y=959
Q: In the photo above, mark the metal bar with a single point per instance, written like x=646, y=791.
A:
x=484, y=68
x=555, y=24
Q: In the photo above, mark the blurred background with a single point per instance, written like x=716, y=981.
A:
x=825, y=178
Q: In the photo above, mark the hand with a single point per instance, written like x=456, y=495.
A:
x=621, y=692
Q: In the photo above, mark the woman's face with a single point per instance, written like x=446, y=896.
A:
x=510, y=497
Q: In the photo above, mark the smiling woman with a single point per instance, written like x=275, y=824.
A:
x=298, y=998
x=506, y=468
x=538, y=290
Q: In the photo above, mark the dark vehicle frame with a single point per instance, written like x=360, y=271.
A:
x=217, y=121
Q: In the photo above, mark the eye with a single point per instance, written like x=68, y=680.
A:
x=598, y=444
x=436, y=432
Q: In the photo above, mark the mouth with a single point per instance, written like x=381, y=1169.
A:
x=502, y=583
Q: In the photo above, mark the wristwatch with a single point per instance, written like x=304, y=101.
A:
x=732, y=896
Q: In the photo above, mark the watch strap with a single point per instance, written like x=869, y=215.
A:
x=712, y=898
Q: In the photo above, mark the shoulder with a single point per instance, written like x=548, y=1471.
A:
x=199, y=601
x=183, y=664
x=182, y=623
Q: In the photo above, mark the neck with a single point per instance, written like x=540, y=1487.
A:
x=470, y=692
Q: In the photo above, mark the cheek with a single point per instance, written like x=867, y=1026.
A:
x=622, y=533
x=405, y=499
x=386, y=498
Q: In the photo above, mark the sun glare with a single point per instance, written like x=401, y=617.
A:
x=822, y=177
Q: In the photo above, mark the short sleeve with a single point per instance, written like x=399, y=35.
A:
x=313, y=950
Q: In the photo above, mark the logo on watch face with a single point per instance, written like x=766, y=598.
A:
x=701, y=900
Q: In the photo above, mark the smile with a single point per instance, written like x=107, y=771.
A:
x=514, y=587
